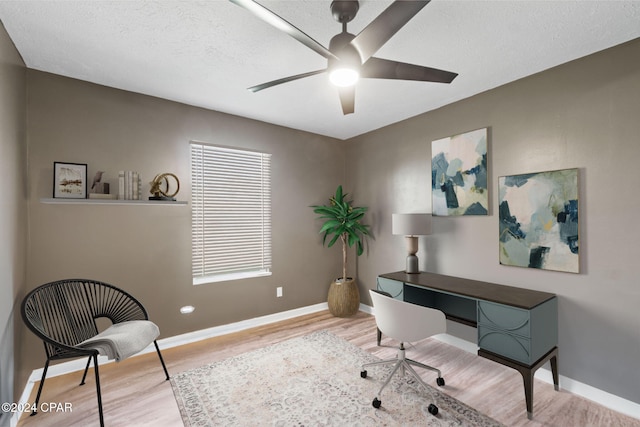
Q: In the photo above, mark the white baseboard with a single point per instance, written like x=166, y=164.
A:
x=465, y=345
x=604, y=398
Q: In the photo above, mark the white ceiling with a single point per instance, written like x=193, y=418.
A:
x=206, y=53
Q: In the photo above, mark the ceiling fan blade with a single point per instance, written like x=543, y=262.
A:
x=347, y=99
x=381, y=29
x=271, y=18
x=377, y=68
x=284, y=80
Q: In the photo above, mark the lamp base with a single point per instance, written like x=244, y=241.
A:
x=412, y=265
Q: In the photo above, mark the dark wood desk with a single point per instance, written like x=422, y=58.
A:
x=516, y=327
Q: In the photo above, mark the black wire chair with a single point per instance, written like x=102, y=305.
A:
x=63, y=314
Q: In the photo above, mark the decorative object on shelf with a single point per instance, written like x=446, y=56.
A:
x=96, y=185
x=411, y=226
x=459, y=174
x=129, y=185
x=539, y=220
x=158, y=192
x=99, y=189
x=69, y=180
x=101, y=196
x=343, y=221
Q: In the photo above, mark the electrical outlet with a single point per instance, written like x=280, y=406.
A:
x=279, y=291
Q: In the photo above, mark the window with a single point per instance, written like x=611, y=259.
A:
x=231, y=213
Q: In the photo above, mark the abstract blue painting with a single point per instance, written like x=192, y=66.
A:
x=539, y=220
x=459, y=174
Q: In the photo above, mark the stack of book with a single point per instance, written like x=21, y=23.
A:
x=129, y=185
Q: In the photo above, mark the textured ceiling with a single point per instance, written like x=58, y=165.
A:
x=206, y=53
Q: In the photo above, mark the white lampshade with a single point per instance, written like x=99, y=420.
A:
x=412, y=224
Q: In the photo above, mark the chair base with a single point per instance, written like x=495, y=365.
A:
x=402, y=363
x=93, y=357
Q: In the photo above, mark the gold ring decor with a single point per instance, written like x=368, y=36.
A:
x=156, y=185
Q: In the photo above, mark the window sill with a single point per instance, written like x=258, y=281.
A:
x=229, y=277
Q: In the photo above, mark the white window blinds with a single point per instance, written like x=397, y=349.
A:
x=231, y=213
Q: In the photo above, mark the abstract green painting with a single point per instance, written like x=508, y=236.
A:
x=459, y=174
x=539, y=220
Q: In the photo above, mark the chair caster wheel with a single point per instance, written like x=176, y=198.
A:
x=433, y=409
x=440, y=381
x=376, y=403
x=363, y=374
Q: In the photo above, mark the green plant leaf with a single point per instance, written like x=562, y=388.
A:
x=332, y=223
x=335, y=238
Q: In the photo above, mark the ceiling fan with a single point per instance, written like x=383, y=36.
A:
x=351, y=56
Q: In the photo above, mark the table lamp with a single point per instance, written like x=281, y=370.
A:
x=411, y=226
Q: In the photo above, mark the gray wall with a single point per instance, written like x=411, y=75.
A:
x=580, y=115
x=12, y=210
x=146, y=249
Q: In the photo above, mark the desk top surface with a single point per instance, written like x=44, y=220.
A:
x=502, y=294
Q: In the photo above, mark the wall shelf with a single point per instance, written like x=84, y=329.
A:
x=53, y=201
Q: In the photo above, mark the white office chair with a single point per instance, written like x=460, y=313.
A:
x=405, y=322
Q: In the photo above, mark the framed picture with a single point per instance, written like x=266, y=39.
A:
x=69, y=180
x=459, y=174
x=539, y=220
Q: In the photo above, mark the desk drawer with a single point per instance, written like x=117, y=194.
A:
x=392, y=287
x=505, y=344
x=509, y=319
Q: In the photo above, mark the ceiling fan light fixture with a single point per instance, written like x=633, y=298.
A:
x=349, y=55
x=345, y=71
x=344, y=77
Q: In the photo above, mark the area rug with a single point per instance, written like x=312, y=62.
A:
x=313, y=380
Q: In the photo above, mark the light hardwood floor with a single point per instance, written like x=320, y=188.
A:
x=134, y=392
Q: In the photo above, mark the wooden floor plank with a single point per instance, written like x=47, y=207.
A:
x=134, y=392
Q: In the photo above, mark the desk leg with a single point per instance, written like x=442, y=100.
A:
x=379, y=337
x=554, y=371
x=527, y=377
x=528, y=372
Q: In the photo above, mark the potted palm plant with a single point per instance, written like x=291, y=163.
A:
x=342, y=221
